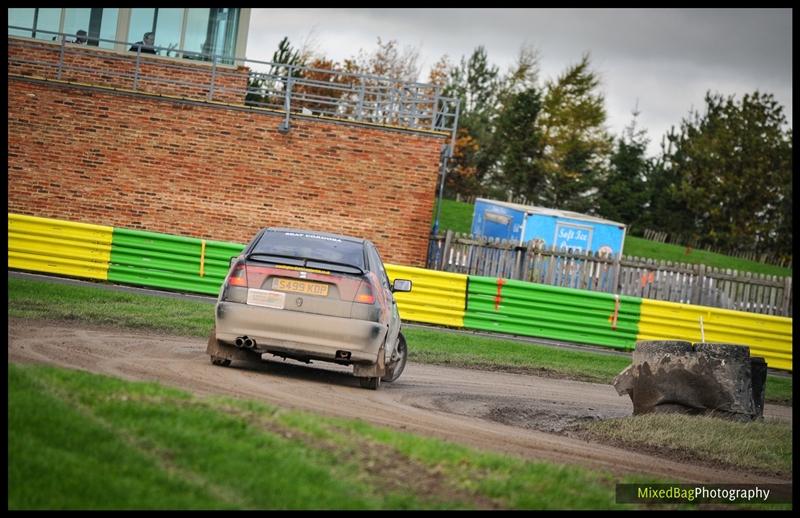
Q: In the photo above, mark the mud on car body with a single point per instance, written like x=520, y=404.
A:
x=310, y=295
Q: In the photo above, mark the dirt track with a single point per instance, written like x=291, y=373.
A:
x=510, y=413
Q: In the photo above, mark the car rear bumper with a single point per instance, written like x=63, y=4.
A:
x=298, y=334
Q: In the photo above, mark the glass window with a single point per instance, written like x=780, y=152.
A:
x=227, y=23
x=378, y=268
x=21, y=18
x=36, y=21
x=97, y=22
x=169, y=23
x=196, y=30
x=142, y=20
x=212, y=31
x=48, y=20
x=75, y=20
x=108, y=28
x=311, y=246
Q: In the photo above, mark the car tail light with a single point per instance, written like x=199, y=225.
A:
x=239, y=275
x=235, y=290
x=365, y=293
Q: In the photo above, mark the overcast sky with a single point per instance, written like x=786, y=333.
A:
x=664, y=59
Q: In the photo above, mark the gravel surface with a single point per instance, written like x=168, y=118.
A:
x=516, y=414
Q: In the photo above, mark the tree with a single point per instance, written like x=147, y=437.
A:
x=624, y=193
x=325, y=88
x=576, y=145
x=388, y=61
x=522, y=75
x=286, y=58
x=268, y=88
x=731, y=172
x=518, y=139
x=665, y=211
x=476, y=84
x=387, y=72
x=462, y=176
x=484, y=94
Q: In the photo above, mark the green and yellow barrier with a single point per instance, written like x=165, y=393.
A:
x=474, y=302
x=526, y=308
x=435, y=297
x=767, y=336
x=171, y=262
x=59, y=247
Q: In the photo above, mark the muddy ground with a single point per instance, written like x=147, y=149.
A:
x=522, y=415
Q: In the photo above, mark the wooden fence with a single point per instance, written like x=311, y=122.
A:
x=634, y=276
x=654, y=235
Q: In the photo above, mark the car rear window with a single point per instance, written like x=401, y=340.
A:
x=307, y=245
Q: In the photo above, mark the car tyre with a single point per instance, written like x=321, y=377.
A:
x=222, y=362
x=396, y=368
x=370, y=383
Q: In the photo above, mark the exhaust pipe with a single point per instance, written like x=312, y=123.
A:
x=248, y=343
x=240, y=341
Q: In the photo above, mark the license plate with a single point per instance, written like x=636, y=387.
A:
x=310, y=288
x=266, y=298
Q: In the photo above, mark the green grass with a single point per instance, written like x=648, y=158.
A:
x=457, y=216
x=640, y=247
x=761, y=445
x=478, y=352
x=36, y=299
x=84, y=441
x=88, y=304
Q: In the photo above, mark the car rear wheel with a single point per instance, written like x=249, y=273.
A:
x=222, y=362
x=395, y=369
x=370, y=383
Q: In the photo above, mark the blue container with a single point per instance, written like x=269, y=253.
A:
x=564, y=229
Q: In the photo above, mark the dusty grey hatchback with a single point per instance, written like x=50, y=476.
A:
x=310, y=295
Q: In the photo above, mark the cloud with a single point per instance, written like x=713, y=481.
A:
x=664, y=58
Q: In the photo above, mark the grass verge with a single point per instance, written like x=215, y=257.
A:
x=36, y=299
x=84, y=441
x=765, y=446
x=640, y=247
x=455, y=216
x=479, y=352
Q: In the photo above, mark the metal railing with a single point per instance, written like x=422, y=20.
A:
x=294, y=90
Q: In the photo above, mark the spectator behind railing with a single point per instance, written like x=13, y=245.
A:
x=146, y=45
x=80, y=38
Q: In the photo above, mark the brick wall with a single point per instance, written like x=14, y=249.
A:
x=188, y=79
x=142, y=162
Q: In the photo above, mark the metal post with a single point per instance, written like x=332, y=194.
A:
x=61, y=56
x=287, y=103
x=446, y=152
x=455, y=127
x=414, y=120
x=360, y=112
x=213, y=77
x=435, y=113
x=136, y=71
